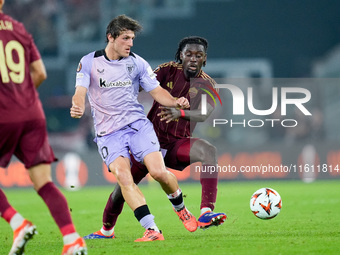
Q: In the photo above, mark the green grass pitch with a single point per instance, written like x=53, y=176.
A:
x=309, y=222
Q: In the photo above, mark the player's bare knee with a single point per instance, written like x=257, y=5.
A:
x=160, y=176
x=210, y=152
x=123, y=176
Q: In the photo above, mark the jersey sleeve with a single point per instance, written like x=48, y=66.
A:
x=35, y=54
x=209, y=85
x=147, y=78
x=83, y=77
x=162, y=71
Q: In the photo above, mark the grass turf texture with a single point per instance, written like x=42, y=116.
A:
x=309, y=221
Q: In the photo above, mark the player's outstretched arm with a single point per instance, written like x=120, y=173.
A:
x=78, y=102
x=163, y=97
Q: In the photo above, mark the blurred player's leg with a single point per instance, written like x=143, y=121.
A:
x=23, y=230
x=57, y=205
x=203, y=151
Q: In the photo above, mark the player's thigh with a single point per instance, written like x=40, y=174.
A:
x=178, y=154
x=9, y=137
x=155, y=164
x=120, y=167
x=114, y=145
x=144, y=141
x=33, y=148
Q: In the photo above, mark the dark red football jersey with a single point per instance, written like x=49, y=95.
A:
x=19, y=100
x=172, y=78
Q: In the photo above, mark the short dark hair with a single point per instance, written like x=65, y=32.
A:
x=190, y=40
x=122, y=23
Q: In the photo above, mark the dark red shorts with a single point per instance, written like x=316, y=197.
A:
x=178, y=153
x=28, y=141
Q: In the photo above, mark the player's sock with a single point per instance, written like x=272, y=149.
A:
x=107, y=232
x=16, y=221
x=176, y=200
x=6, y=210
x=209, y=189
x=57, y=204
x=9, y=214
x=148, y=222
x=70, y=238
x=113, y=208
x=205, y=209
x=145, y=218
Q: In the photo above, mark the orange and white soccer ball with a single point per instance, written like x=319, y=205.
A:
x=265, y=203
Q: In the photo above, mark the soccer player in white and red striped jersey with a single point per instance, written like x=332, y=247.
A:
x=23, y=134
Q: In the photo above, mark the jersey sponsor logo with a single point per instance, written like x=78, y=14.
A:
x=130, y=68
x=114, y=84
x=100, y=71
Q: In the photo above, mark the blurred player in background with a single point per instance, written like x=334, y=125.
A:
x=111, y=78
x=23, y=133
x=174, y=128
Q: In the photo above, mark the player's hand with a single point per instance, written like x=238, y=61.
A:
x=169, y=114
x=183, y=103
x=76, y=112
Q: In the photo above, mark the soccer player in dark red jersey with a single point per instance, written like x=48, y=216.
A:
x=23, y=133
x=174, y=128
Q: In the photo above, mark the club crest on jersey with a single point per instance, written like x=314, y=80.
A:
x=193, y=92
x=130, y=68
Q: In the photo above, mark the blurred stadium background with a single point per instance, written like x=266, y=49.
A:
x=256, y=40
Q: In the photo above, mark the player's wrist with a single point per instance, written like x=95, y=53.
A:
x=182, y=113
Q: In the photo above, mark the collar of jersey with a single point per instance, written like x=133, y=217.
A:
x=103, y=53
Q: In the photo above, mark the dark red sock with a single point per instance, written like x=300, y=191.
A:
x=113, y=208
x=57, y=204
x=209, y=188
x=6, y=210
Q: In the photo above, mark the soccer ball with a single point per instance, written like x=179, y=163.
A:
x=265, y=203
